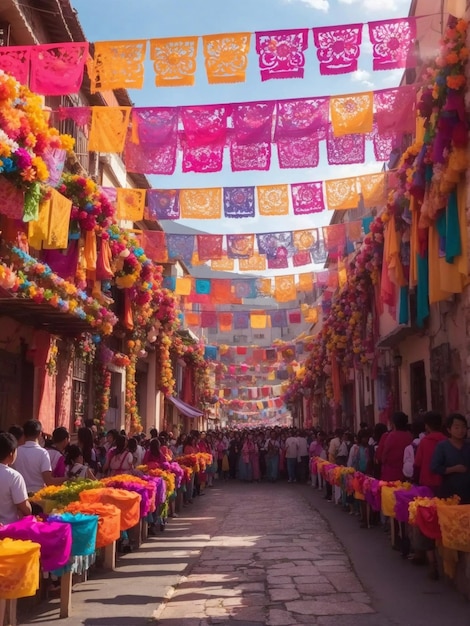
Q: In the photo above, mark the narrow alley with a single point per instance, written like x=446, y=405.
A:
x=263, y=554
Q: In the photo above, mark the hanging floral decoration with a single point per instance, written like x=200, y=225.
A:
x=91, y=209
x=25, y=135
x=51, y=363
x=133, y=421
x=85, y=348
x=102, y=389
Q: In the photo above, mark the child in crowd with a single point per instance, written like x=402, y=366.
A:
x=74, y=465
x=13, y=493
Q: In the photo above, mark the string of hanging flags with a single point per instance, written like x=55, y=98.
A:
x=151, y=138
x=58, y=69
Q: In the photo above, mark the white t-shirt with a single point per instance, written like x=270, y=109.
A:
x=292, y=448
x=12, y=492
x=303, y=446
x=31, y=462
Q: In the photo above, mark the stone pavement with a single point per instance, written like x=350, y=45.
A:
x=251, y=555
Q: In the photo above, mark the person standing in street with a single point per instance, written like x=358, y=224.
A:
x=292, y=453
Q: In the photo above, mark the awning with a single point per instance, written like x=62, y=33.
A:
x=185, y=409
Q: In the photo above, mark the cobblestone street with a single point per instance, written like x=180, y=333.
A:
x=262, y=554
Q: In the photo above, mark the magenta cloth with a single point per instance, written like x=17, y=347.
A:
x=279, y=262
x=245, y=288
x=307, y=198
x=63, y=262
x=250, y=145
x=295, y=317
x=160, y=488
x=403, y=497
x=163, y=204
x=54, y=538
x=202, y=159
x=271, y=244
x=372, y=493
x=345, y=150
x=176, y=469
x=298, y=152
x=338, y=48
x=334, y=237
x=15, y=60
x=11, y=199
x=205, y=125
x=384, y=144
x=395, y=109
x=80, y=115
x=57, y=69
x=428, y=522
x=239, y=202
x=281, y=53
x=302, y=117
x=241, y=320
x=302, y=258
x=393, y=43
x=145, y=158
x=146, y=493
x=208, y=319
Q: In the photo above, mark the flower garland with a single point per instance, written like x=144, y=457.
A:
x=166, y=380
x=133, y=421
x=91, y=209
x=102, y=389
x=51, y=365
x=65, y=494
x=36, y=281
x=85, y=348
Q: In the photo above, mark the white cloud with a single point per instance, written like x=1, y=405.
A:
x=320, y=5
x=379, y=5
x=362, y=77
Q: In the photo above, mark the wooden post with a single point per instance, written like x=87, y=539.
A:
x=11, y=613
x=145, y=530
x=110, y=556
x=3, y=608
x=66, y=594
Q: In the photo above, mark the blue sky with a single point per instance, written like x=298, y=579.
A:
x=145, y=19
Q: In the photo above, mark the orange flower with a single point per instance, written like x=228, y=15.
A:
x=456, y=82
x=463, y=54
x=452, y=58
x=461, y=26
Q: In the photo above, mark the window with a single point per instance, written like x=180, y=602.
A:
x=258, y=335
x=4, y=34
x=240, y=339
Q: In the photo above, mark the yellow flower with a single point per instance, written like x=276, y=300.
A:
x=41, y=168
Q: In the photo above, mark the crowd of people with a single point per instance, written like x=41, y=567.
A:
x=426, y=452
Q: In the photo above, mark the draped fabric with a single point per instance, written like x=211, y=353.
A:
x=226, y=57
x=80, y=115
x=63, y=262
x=279, y=262
x=354, y=231
x=130, y=204
x=352, y=114
x=38, y=229
x=454, y=522
x=59, y=221
x=284, y=288
x=305, y=282
x=108, y=128
x=154, y=244
x=180, y=246
x=393, y=43
x=281, y=53
x=257, y=262
x=154, y=125
x=54, y=158
x=334, y=237
x=383, y=144
x=15, y=60
x=146, y=158
x=245, y=288
x=209, y=247
x=395, y=109
x=202, y=286
x=221, y=291
x=240, y=246
x=345, y=150
x=302, y=258
x=264, y=287
x=338, y=48
x=174, y=61
x=223, y=265
x=241, y=320
x=208, y=319
x=307, y=198
x=271, y=244
x=117, y=65
x=250, y=147
x=273, y=199
x=225, y=322
x=163, y=204
x=57, y=69
x=204, y=138
x=304, y=239
x=373, y=188
x=192, y=319
x=201, y=204
x=294, y=317
x=258, y=321
x=342, y=194
x=239, y=202
x=278, y=318
x=183, y=286
x=298, y=152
